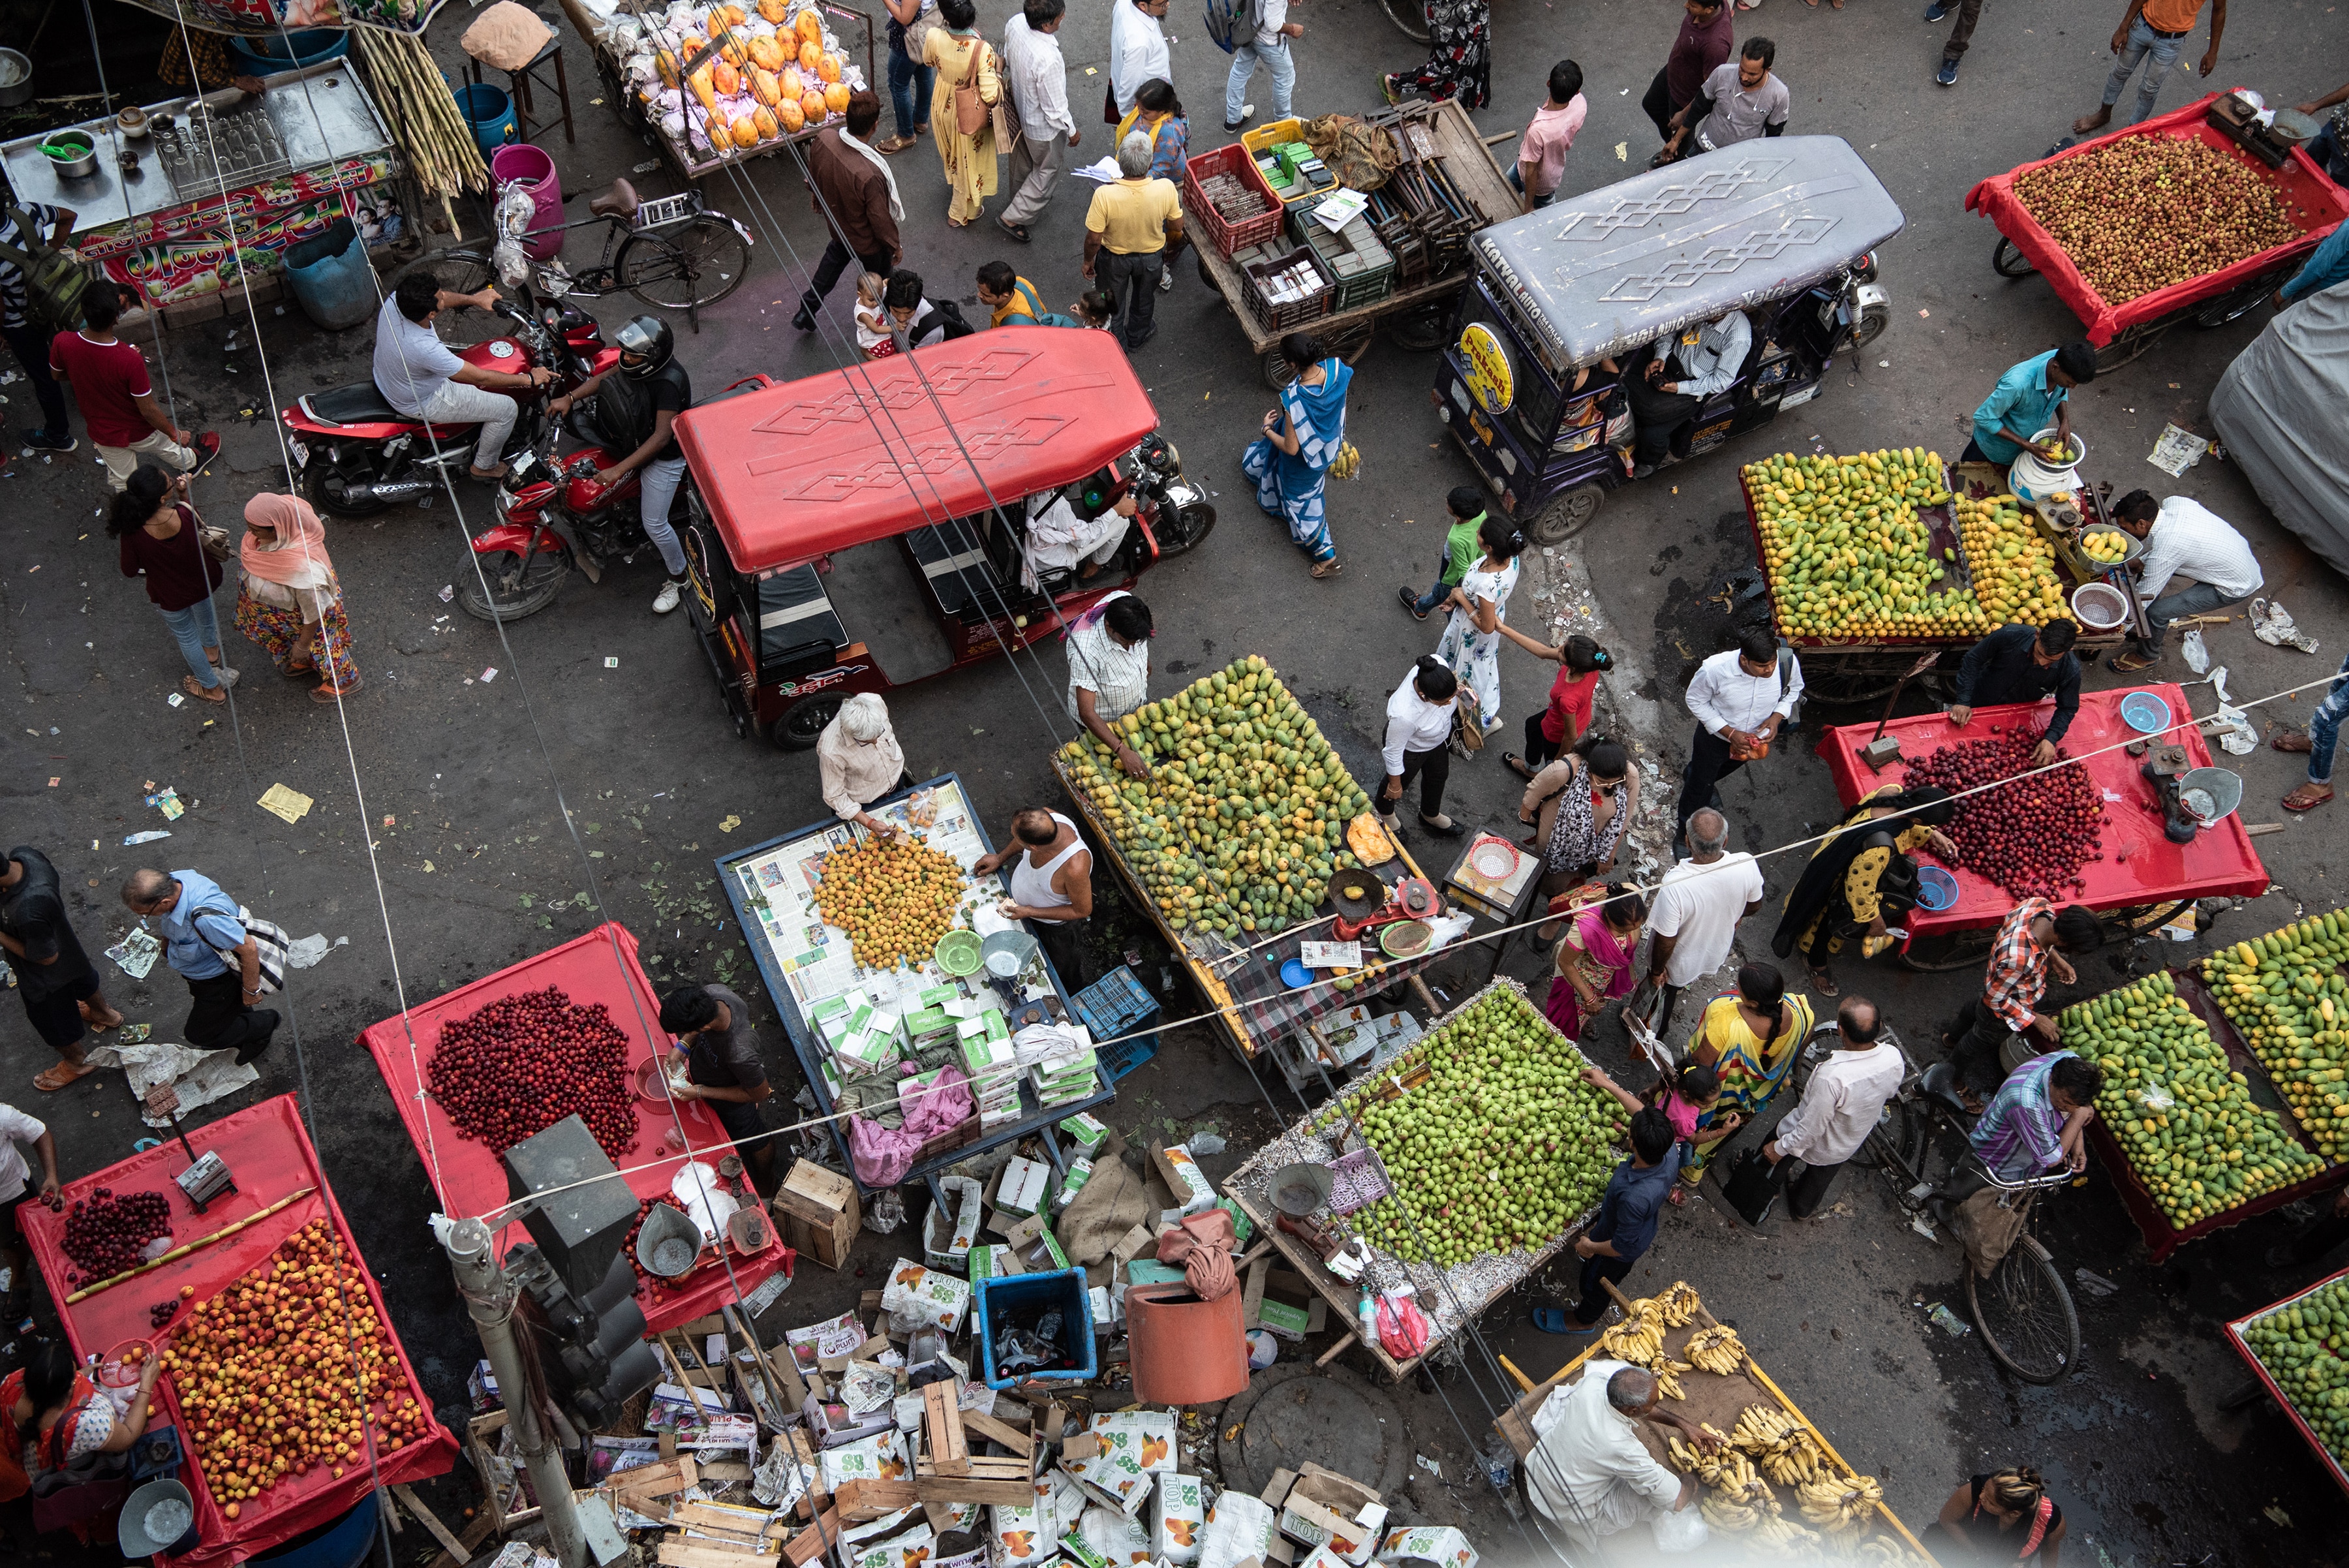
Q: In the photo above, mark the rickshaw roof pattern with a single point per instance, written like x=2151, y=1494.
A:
x=826, y=462
x=1614, y=268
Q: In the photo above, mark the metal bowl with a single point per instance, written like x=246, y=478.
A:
x=1007, y=953
x=78, y=167
x=2099, y=606
x=16, y=79
x=2210, y=793
x=668, y=1242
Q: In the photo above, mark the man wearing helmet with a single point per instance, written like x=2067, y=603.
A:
x=635, y=411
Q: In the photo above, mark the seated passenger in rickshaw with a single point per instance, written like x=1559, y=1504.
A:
x=1063, y=539
x=1671, y=380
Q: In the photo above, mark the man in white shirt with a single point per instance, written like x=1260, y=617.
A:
x=422, y=377
x=1418, y=742
x=1589, y=1474
x=1740, y=698
x=1268, y=41
x=1697, y=909
x=1039, y=79
x=2182, y=539
x=16, y=1187
x=1669, y=393
x=1137, y=50
x=1840, y=1104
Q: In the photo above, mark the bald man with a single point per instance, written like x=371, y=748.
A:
x=1840, y=1105
x=1590, y=1474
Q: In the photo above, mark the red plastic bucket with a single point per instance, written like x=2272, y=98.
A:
x=528, y=166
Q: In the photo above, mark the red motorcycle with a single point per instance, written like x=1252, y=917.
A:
x=359, y=454
x=524, y=558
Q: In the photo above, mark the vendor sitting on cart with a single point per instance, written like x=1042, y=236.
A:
x=1671, y=389
x=2027, y=399
x=2019, y=663
x=1591, y=1475
x=1109, y=672
x=1051, y=887
x=1060, y=541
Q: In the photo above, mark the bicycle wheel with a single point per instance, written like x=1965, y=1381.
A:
x=2025, y=1315
x=684, y=265
x=1409, y=17
x=464, y=270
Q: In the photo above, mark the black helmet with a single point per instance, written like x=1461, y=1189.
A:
x=647, y=345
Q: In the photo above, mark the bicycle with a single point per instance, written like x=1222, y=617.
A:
x=673, y=253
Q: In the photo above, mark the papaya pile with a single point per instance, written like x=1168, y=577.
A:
x=2013, y=568
x=2286, y=992
x=2184, y=1118
x=1847, y=553
x=1240, y=825
x=2304, y=1344
x=1500, y=1147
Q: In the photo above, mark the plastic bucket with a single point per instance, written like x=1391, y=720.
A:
x=491, y=113
x=528, y=166
x=1023, y=1298
x=2099, y=606
x=331, y=278
x=267, y=57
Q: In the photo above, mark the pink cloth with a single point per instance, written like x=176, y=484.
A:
x=1605, y=960
x=1542, y=150
x=1681, y=1114
x=1202, y=1244
x=885, y=1156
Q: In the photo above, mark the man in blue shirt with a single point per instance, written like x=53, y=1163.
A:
x=202, y=932
x=1626, y=1226
x=2027, y=399
x=2326, y=266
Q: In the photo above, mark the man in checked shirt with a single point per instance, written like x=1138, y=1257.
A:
x=2033, y=940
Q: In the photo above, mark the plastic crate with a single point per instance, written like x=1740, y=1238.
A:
x=1273, y=135
x=1026, y=1296
x=1118, y=1060
x=1373, y=277
x=1114, y=1004
x=1236, y=160
x=1293, y=313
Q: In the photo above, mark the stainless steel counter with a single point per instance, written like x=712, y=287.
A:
x=316, y=116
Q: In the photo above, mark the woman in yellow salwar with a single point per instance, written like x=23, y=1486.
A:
x=1860, y=881
x=1749, y=1037
x=964, y=61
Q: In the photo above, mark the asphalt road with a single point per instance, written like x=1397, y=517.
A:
x=438, y=842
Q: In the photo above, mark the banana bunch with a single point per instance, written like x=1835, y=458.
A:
x=1838, y=1505
x=1693, y=1460
x=1724, y=1515
x=1679, y=1304
x=1668, y=1373
x=1715, y=1349
x=1787, y=1452
x=1348, y=462
x=1640, y=1337
x=1785, y=1540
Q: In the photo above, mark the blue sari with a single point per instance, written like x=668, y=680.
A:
x=1289, y=487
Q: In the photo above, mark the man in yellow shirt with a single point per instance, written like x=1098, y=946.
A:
x=1139, y=222
x=2158, y=28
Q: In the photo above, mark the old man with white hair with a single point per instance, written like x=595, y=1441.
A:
x=1132, y=231
x=1589, y=1474
x=858, y=760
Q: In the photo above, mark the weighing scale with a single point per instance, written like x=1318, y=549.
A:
x=1363, y=901
x=2165, y=768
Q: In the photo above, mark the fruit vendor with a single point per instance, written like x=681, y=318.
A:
x=1108, y=668
x=1051, y=887
x=2028, y=398
x=64, y=1431
x=19, y=1132
x=1860, y=879
x=2037, y=1120
x=1740, y=698
x=723, y=1068
x=2031, y=941
x=858, y=761
x=2022, y=663
x=1591, y=1475
x=1625, y=1228
x=2183, y=538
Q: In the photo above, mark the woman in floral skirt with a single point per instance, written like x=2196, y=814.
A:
x=290, y=605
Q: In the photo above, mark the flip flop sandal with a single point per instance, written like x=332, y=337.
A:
x=1677, y=1197
x=1014, y=229
x=1326, y=569
x=202, y=693
x=2129, y=663
x=2311, y=806
x=1518, y=765
x=2292, y=740
x=298, y=669
x=1552, y=1320
x=1824, y=982
x=49, y=1083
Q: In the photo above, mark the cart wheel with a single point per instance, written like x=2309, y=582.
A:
x=802, y=723
x=1410, y=16
x=1204, y=275
x=1855, y=677
x=2236, y=306
x=2129, y=347
x=464, y=269
x=2008, y=262
x=1421, y=330
x=1936, y=955
x=1566, y=514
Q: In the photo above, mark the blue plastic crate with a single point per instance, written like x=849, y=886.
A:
x=1114, y=1004
x=1028, y=1296
x=1124, y=1057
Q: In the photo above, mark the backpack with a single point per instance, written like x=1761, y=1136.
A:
x=1231, y=23
x=943, y=312
x=1035, y=310
x=54, y=281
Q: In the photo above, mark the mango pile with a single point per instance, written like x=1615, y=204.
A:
x=2286, y=992
x=2301, y=1343
x=2013, y=568
x=2185, y=1121
x=1242, y=822
x=2104, y=546
x=1847, y=553
x=1502, y=1145
x=893, y=896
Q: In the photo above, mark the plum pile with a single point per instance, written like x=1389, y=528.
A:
x=2031, y=835
x=2141, y=212
x=105, y=1233
x=525, y=1061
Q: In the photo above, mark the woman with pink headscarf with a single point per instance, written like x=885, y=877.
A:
x=291, y=605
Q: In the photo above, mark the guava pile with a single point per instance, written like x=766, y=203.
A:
x=1500, y=1146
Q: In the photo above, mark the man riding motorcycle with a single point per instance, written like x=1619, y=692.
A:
x=423, y=379
x=635, y=412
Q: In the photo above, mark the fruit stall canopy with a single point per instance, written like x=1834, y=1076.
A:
x=794, y=472
x=270, y=1157
x=472, y=1178
x=2220, y=863
x=1618, y=267
x=2314, y=204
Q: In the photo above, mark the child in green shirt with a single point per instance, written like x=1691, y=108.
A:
x=1467, y=504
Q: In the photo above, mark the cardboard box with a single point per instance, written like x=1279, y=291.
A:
x=1021, y=1233
x=1019, y=1536
x=1427, y=1546
x=1081, y=1170
x=1135, y=1447
x=1019, y=1188
x=1178, y=1517
x=940, y=1297
x=817, y=1212
x=882, y=1457
x=1124, y=1543
x=1087, y=1131
x=820, y=1342
x=948, y=1233
x=1326, y=1510
x=1240, y=1529
x=1186, y=1182
x=1282, y=1302
x=1078, y=1549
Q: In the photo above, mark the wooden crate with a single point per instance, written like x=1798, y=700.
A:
x=819, y=1213
x=481, y=1442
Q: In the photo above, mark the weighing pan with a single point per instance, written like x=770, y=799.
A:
x=668, y=1242
x=1299, y=1189
x=1357, y=893
x=2210, y=793
x=1008, y=952
x=1405, y=939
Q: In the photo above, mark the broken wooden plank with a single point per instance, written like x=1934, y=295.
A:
x=1330, y=1354
x=810, y=1543
x=751, y=1523
x=725, y=1470
x=996, y=1432
x=654, y=1480
x=975, y=1489
x=475, y=1533
x=942, y=1421
x=675, y=1553
x=863, y=1501
x=390, y=1514
x=431, y=1521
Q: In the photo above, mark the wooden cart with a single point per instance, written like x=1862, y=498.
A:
x=1420, y=312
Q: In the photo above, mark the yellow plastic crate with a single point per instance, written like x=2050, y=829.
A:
x=1280, y=130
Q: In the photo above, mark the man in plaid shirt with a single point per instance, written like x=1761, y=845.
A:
x=2033, y=940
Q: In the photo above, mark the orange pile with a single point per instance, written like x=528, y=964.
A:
x=895, y=897
x=286, y=1369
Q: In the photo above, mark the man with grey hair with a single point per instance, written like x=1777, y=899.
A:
x=858, y=761
x=1697, y=909
x=1589, y=1474
x=204, y=939
x=1840, y=1106
x=1132, y=231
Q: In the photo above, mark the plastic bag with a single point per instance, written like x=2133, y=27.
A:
x=1682, y=1531
x=2198, y=657
x=889, y=1212
x=1403, y=1329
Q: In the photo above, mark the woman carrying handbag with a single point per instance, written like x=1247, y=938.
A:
x=966, y=115
x=165, y=542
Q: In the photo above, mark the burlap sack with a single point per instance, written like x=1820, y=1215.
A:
x=506, y=35
x=1108, y=1206
x=1360, y=156
x=1987, y=1231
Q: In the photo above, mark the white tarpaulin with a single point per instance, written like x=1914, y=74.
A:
x=2279, y=410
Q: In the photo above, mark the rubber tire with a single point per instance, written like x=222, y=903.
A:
x=1423, y=330
x=1895, y=1129
x=1195, y=528
x=1568, y=515
x=803, y=723
x=2032, y=1257
x=314, y=490
x=2008, y=262
x=463, y=269
x=1409, y=17
x=541, y=592
x=720, y=260
x=1872, y=323
x=2232, y=307
x=2130, y=347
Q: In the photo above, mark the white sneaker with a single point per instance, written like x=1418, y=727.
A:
x=666, y=599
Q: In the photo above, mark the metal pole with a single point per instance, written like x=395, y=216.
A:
x=490, y=1297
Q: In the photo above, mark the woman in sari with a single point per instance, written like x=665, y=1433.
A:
x=961, y=56
x=1593, y=959
x=1749, y=1036
x=290, y=605
x=64, y=1431
x=1291, y=461
x=1459, y=55
x=1577, y=806
x=1860, y=878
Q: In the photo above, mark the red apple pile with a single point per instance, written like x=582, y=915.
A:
x=105, y=1234
x=2031, y=835
x=2141, y=212
x=525, y=1061
x=287, y=1370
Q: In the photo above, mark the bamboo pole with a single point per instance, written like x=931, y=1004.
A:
x=177, y=1253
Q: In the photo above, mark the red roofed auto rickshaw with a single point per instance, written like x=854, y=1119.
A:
x=866, y=528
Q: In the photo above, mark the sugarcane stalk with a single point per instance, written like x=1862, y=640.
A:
x=182, y=1251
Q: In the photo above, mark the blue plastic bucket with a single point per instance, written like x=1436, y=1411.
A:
x=1024, y=1298
x=267, y=57
x=491, y=113
x=330, y=278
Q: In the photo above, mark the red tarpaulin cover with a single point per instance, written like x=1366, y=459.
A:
x=269, y=1156
x=470, y=1178
x=2220, y=863
x=2235, y=1336
x=2316, y=204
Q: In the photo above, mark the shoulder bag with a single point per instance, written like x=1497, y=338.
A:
x=918, y=31
x=55, y=279
x=269, y=940
x=212, y=536
x=970, y=107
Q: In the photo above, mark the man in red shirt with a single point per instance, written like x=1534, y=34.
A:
x=110, y=382
x=1704, y=41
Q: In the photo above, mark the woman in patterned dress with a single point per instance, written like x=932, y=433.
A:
x=53, y=1419
x=290, y=605
x=1459, y=55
